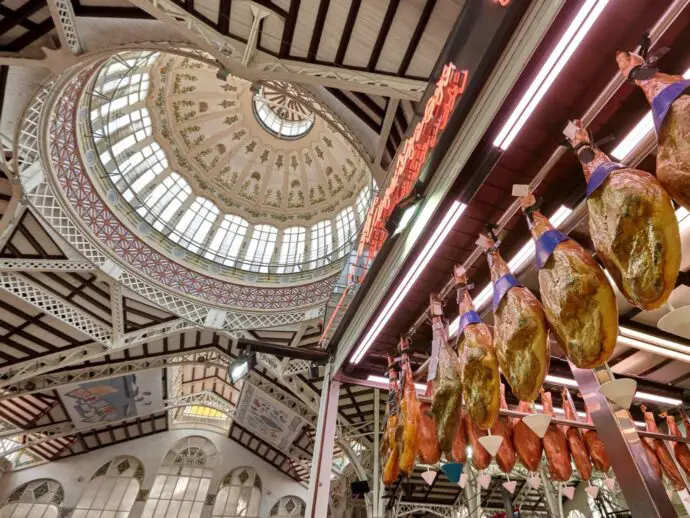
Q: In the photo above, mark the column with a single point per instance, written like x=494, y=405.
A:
x=376, y=475
x=322, y=461
x=643, y=492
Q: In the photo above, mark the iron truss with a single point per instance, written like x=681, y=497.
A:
x=407, y=508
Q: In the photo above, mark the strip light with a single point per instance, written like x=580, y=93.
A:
x=559, y=56
x=435, y=241
x=515, y=264
x=656, y=340
x=421, y=387
x=641, y=130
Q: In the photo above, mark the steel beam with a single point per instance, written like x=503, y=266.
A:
x=45, y=265
x=643, y=491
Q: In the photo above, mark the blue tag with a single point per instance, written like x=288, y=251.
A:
x=471, y=317
x=501, y=287
x=546, y=244
x=600, y=174
x=662, y=102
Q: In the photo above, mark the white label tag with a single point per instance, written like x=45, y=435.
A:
x=433, y=359
x=570, y=130
x=484, y=242
x=520, y=189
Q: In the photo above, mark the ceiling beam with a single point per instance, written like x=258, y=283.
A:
x=416, y=37
x=224, y=9
x=347, y=31
x=20, y=16
x=29, y=37
x=388, y=119
x=318, y=30
x=289, y=29
x=383, y=34
x=284, y=351
x=66, y=25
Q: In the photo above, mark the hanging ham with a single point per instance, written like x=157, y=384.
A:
x=505, y=458
x=480, y=377
x=389, y=446
x=521, y=335
x=555, y=445
x=632, y=224
x=680, y=449
x=480, y=457
x=652, y=458
x=528, y=445
x=447, y=394
x=427, y=436
x=408, y=423
x=458, y=451
x=576, y=443
x=595, y=447
x=578, y=300
x=662, y=453
x=669, y=97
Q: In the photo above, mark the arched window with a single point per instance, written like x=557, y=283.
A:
x=292, y=249
x=112, y=490
x=239, y=495
x=195, y=224
x=362, y=203
x=181, y=485
x=227, y=241
x=288, y=507
x=345, y=226
x=321, y=244
x=165, y=200
x=37, y=499
x=260, y=248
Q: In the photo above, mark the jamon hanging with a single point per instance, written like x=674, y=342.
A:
x=652, y=458
x=595, y=447
x=521, y=335
x=576, y=444
x=505, y=458
x=458, y=451
x=427, y=436
x=669, y=97
x=408, y=422
x=662, y=453
x=680, y=449
x=480, y=377
x=632, y=224
x=555, y=445
x=528, y=445
x=447, y=395
x=480, y=457
x=578, y=300
x=389, y=446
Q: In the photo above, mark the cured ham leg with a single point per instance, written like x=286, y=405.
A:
x=680, y=449
x=447, y=394
x=505, y=458
x=480, y=377
x=408, y=423
x=480, y=457
x=528, y=445
x=652, y=458
x=427, y=436
x=632, y=224
x=672, y=130
x=521, y=334
x=578, y=300
x=662, y=453
x=555, y=445
x=595, y=447
x=576, y=443
x=389, y=446
x=458, y=452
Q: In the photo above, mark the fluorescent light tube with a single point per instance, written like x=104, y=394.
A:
x=560, y=381
x=421, y=387
x=651, y=339
x=661, y=351
x=439, y=235
x=637, y=134
x=571, y=39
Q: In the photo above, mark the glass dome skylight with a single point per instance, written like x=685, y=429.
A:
x=280, y=115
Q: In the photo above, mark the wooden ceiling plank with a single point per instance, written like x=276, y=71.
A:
x=383, y=34
x=319, y=24
x=347, y=32
x=29, y=37
x=20, y=16
x=289, y=29
x=416, y=37
x=224, y=10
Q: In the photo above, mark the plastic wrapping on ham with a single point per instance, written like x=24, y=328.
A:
x=408, y=422
x=389, y=445
x=447, y=393
x=578, y=300
x=480, y=457
x=521, y=334
x=505, y=458
x=632, y=224
x=595, y=447
x=528, y=445
x=555, y=445
x=673, y=129
x=680, y=449
x=480, y=376
x=662, y=453
x=427, y=436
x=576, y=443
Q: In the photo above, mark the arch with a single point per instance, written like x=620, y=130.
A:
x=239, y=494
x=112, y=489
x=183, y=479
x=288, y=507
x=39, y=498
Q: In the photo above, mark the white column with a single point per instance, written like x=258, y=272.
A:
x=322, y=461
x=376, y=475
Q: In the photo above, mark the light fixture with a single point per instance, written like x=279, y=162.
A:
x=558, y=380
x=525, y=254
x=637, y=134
x=434, y=242
x=639, y=336
x=661, y=351
x=573, y=36
x=683, y=219
x=240, y=367
x=420, y=387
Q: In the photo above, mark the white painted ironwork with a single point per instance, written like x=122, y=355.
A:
x=117, y=312
x=45, y=265
x=408, y=508
x=65, y=24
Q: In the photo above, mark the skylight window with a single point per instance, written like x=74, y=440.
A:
x=261, y=247
x=280, y=115
x=292, y=249
x=195, y=224
x=321, y=244
x=227, y=242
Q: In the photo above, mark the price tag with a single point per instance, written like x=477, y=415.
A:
x=570, y=130
x=520, y=189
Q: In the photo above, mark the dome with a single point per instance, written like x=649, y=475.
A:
x=237, y=174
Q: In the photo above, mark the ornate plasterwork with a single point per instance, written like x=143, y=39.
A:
x=210, y=134
x=95, y=214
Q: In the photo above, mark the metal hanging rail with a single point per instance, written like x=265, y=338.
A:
x=669, y=16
